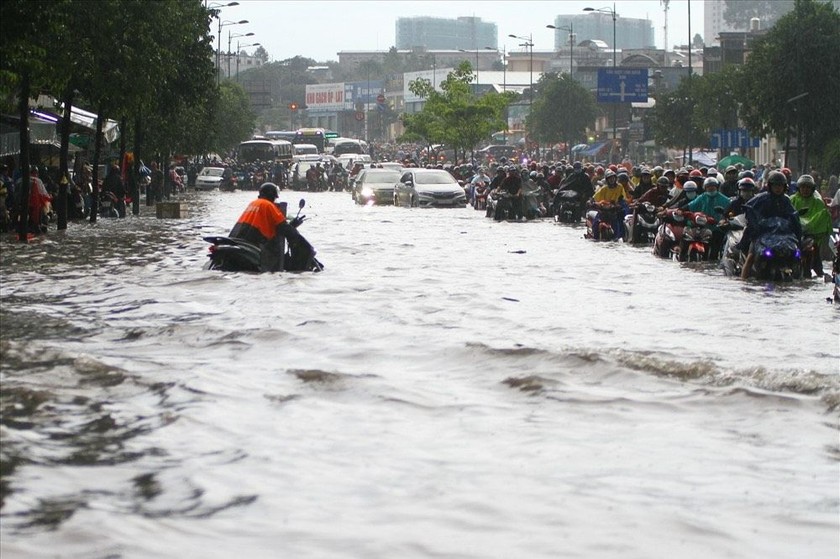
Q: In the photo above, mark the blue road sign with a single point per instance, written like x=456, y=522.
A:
x=735, y=138
x=622, y=85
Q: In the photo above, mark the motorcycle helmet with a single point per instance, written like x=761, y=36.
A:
x=268, y=191
x=690, y=189
x=786, y=172
x=532, y=175
x=695, y=173
x=806, y=181
x=644, y=171
x=609, y=173
x=623, y=176
x=613, y=168
x=746, y=184
x=776, y=178
x=599, y=170
x=746, y=175
x=663, y=181
x=711, y=182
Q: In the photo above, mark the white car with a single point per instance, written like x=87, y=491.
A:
x=428, y=188
x=209, y=178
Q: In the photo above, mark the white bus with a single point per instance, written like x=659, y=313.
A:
x=265, y=150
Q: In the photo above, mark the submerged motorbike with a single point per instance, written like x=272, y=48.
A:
x=641, y=225
x=732, y=259
x=778, y=254
x=603, y=223
x=235, y=255
x=669, y=235
x=567, y=206
x=107, y=204
x=697, y=237
x=480, y=192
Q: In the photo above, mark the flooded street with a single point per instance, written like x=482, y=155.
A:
x=448, y=387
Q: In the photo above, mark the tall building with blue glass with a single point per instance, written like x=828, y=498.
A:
x=437, y=33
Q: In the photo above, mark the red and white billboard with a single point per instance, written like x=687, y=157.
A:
x=325, y=97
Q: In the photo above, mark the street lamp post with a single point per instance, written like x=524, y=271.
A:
x=235, y=35
x=237, y=55
x=219, y=49
x=214, y=12
x=570, y=28
x=529, y=43
x=504, y=85
x=614, y=15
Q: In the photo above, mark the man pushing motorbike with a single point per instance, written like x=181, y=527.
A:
x=264, y=225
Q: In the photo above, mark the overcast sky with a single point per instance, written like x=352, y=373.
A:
x=320, y=29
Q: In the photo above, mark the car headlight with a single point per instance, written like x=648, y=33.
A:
x=367, y=191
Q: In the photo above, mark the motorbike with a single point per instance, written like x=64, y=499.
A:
x=235, y=255
x=532, y=206
x=480, y=192
x=602, y=222
x=567, y=206
x=499, y=205
x=641, y=225
x=669, y=235
x=777, y=252
x=732, y=259
x=697, y=237
x=107, y=204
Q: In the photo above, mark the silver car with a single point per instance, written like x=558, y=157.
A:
x=209, y=178
x=375, y=186
x=429, y=188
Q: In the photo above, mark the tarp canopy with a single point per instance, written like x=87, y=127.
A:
x=110, y=129
x=592, y=150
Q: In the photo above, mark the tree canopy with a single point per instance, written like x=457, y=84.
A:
x=791, y=80
x=455, y=116
x=562, y=110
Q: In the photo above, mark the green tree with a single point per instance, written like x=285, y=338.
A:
x=673, y=117
x=234, y=119
x=261, y=54
x=455, y=116
x=717, y=101
x=562, y=110
x=25, y=68
x=792, y=78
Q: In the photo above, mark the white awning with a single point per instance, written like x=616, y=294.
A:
x=110, y=129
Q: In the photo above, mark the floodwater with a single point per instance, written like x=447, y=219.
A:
x=448, y=387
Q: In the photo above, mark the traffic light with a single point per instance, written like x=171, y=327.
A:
x=293, y=106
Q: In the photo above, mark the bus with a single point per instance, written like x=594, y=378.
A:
x=316, y=136
x=348, y=145
x=265, y=150
x=287, y=135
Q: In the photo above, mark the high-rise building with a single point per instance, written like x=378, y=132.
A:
x=630, y=33
x=713, y=22
x=436, y=33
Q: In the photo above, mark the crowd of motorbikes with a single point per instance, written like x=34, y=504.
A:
x=672, y=231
